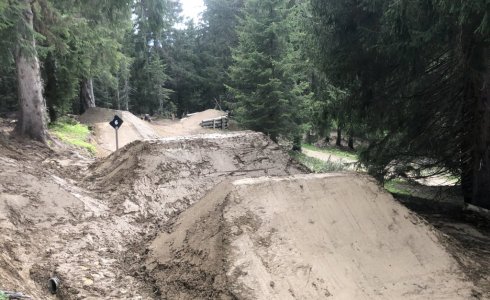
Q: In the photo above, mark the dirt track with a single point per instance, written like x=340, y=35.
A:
x=214, y=216
x=134, y=129
x=81, y=224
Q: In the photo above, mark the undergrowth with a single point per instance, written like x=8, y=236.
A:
x=73, y=133
x=398, y=187
x=3, y=296
x=317, y=165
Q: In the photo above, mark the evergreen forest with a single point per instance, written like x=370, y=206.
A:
x=405, y=82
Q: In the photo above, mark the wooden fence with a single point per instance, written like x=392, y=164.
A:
x=216, y=123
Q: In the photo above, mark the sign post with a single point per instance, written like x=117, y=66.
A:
x=116, y=124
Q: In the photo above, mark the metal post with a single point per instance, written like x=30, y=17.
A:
x=117, y=140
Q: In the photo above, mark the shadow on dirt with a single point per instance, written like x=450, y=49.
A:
x=468, y=232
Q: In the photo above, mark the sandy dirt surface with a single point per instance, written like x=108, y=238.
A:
x=332, y=236
x=134, y=128
x=186, y=126
x=211, y=216
x=87, y=223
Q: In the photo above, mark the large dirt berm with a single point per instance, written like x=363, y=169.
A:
x=87, y=225
x=164, y=176
x=332, y=236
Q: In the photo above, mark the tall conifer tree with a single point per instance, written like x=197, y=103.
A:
x=262, y=87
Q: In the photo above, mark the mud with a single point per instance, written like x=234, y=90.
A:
x=214, y=216
x=80, y=222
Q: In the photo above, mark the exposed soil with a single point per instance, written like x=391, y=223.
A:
x=186, y=126
x=79, y=222
x=303, y=237
x=132, y=129
x=212, y=216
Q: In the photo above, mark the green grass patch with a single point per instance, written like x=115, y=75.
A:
x=3, y=296
x=333, y=151
x=317, y=165
x=397, y=186
x=75, y=134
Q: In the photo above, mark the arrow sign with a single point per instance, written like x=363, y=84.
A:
x=116, y=122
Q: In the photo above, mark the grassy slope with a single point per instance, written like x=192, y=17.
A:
x=74, y=134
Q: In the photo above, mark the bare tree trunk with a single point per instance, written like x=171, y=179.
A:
x=87, y=98
x=32, y=106
x=339, y=137
x=476, y=148
x=126, y=94
x=118, y=99
x=351, y=142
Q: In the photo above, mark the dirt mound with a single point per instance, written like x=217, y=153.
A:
x=186, y=126
x=39, y=213
x=132, y=129
x=166, y=175
x=303, y=237
x=87, y=228
x=194, y=120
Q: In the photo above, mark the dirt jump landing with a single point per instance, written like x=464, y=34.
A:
x=332, y=236
x=133, y=128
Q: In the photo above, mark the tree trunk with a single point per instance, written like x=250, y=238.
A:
x=32, y=107
x=351, y=142
x=50, y=87
x=339, y=137
x=118, y=99
x=126, y=94
x=87, y=98
x=476, y=145
x=297, y=143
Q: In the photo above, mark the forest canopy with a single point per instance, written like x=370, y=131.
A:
x=408, y=80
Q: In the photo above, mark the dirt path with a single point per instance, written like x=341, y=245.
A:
x=186, y=126
x=134, y=128
x=328, y=157
x=209, y=216
x=86, y=225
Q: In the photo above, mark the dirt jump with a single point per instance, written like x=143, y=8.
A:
x=134, y=128
x=223, y=215
x=335, y=236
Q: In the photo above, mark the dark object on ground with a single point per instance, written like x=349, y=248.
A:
x=54, y=284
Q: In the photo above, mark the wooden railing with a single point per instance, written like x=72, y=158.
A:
x=216, y=123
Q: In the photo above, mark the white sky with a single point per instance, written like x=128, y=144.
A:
x=192, y=8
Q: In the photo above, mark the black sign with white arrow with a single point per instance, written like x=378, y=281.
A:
x=116, y=122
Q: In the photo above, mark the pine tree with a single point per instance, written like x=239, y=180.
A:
x=19, y=44
x=184, y=70
x=218, y=37
x=417, y=74
x=152, y=27
x=262, y=87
